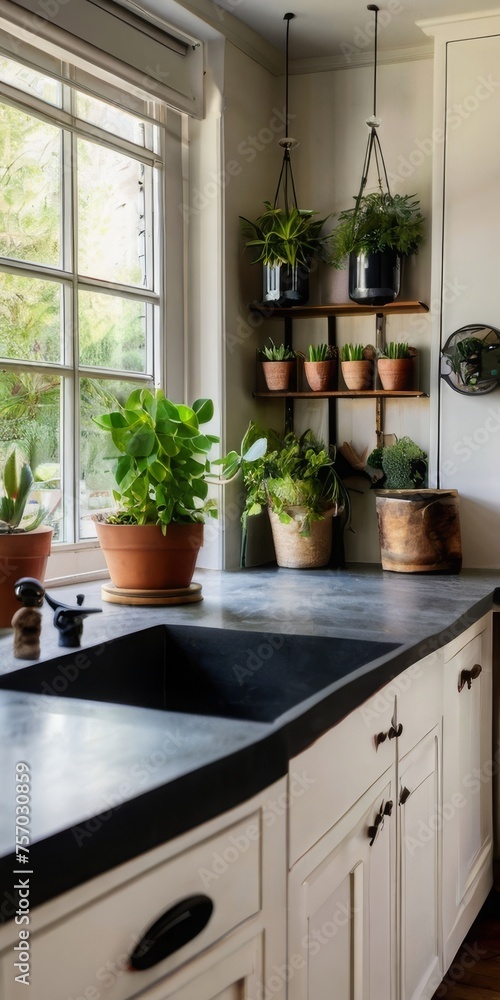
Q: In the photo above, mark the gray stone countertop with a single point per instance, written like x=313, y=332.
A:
x=111, y=781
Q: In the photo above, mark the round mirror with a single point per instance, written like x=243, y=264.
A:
x=470, y=359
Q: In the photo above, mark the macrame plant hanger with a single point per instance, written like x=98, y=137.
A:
x=373, y=122
x=286, y=180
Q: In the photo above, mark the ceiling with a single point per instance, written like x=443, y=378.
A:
x=338, y=28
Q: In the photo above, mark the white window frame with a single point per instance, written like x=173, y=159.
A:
x=73, y=559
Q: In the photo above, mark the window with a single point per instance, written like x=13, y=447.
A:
x=81, y=287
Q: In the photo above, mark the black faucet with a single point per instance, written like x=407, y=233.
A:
x=68, y=620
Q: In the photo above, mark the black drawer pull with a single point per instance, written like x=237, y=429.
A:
x=178, y=925
x=405, y=794
x=395, y=731
x=467, y=676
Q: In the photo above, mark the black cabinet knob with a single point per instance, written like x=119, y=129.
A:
x=395, y=731
x=467, y=676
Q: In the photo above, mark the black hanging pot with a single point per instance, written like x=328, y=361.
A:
x=285, y=285
x=374, y=278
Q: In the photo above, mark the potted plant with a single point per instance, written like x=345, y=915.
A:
x=285, y=241
x=356, y=363
x=419, y=528
x=278, y=364
x=24, y=540
x=373, y=237
x=151, y=542
x=296, y=480
x=395, y=366
x=320, y=366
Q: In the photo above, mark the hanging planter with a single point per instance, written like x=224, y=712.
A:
x=374, y=278
x=286, y=285
x=380, y=229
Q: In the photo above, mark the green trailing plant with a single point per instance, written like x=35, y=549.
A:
x=394, y=351
x=321, y=352
x=163, y=472
x=376, y=223
x=404, y=465
x=277, y=352
x=280, y=236
x=17, y=483
x=352, y=352
x=294, y=471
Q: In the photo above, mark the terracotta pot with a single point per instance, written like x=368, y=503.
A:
x=23, y=554
x=395, y=373
x=293, y=551
x=320, y=374
x=277, y=374
x=358, y=374
x=140, y=557
x=419, y=530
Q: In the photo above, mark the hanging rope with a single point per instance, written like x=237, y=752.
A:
x=286, y=174
x=373, y=145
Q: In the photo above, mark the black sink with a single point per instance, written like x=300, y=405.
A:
x=203, y=671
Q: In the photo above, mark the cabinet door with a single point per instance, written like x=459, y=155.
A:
x=225, y=975
x=467, y=772
x=419, y=816
x=342, y=905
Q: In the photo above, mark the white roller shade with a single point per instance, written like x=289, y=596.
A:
x=169, y=66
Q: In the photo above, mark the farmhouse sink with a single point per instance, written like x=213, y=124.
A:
x=255, y=676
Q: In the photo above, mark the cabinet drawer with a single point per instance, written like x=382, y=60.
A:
x=332, y=774
x=86, y=954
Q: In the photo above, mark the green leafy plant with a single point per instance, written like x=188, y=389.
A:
x=17, y=483
x=404, y=465
x=352, y=352
x=376, y=223
x=280, y=236
x=394, y=351
x=163, y=473
x=274, y=352
x=321, y=352
x=294, y=471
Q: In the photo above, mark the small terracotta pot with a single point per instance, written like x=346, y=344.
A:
x=320, y=374
x=358, y=374
x=140, y=557
x=278, y=374
x=395, y=373
x=23, y=554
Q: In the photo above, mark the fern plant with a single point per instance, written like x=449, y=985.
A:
x=376, y=223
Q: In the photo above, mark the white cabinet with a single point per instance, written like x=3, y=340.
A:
x=81, y=942
x=468, y=767
x=418, y=798
x=342, y=905
x=386, y=945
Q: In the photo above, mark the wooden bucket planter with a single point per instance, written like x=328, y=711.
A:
x=419, y=530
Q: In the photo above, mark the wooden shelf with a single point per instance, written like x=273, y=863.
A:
x=268, y=310
x=342, y=394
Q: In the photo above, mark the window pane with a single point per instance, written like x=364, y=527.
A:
x=110, y=118
x=30, y=417
x=29, y=81
x=30, y=318
x=112, y=331
x=30, y=188
x=97, y=453
x=111, y=215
